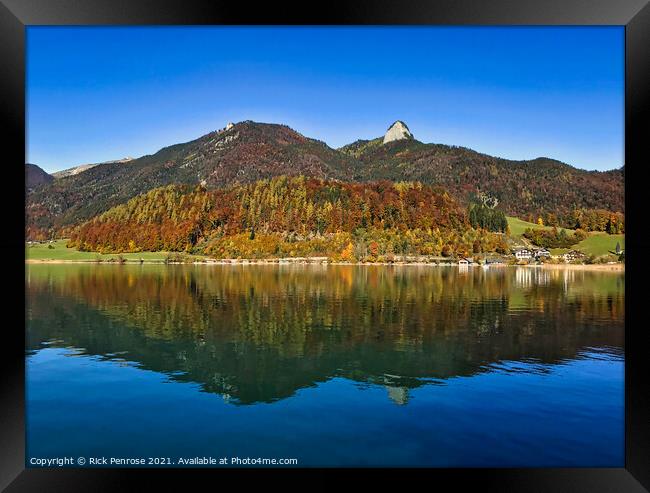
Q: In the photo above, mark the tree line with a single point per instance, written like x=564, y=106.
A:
x=491, y=219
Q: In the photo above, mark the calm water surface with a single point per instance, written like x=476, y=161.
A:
x=331, y=365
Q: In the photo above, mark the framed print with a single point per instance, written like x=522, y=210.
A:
x=370, y=239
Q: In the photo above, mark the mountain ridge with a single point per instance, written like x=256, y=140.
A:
x=83, y=167
x=538, y=186
x=249, y=151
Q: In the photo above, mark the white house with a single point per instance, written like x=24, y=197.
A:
x=542, y=253
x=523, y=254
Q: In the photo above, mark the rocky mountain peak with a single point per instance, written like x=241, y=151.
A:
x=397, y=131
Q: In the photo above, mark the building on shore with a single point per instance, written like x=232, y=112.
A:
x=573, y=255
x=523, y=254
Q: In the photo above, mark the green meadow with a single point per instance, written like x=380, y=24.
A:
x=59, y=251
x=518, y=226
x=600, y=244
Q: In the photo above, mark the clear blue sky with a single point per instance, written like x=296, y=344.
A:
x=96, y=93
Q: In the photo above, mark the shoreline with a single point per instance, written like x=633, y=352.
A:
x=618, y=267
x=599, y=267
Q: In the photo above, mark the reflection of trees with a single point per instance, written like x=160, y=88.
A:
x=260, y=333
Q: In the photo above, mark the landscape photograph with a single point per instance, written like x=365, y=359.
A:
x=325, y=246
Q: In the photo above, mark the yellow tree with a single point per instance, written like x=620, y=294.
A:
x=347, y=255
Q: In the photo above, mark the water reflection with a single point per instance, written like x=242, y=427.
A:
x=259, y=333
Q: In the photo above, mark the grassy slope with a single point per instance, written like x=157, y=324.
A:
x=600, y=243
x=596, y=243
x=518, y=226
x=61, y=252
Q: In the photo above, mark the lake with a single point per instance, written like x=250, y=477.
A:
x=329, y=365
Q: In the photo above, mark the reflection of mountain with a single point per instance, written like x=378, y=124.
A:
x=261, y=333
x=399, y=395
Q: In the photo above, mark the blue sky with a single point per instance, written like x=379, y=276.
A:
x=102, y=93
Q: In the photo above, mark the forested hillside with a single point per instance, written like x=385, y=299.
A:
x=538, y=187
x=290, y=216
x=35, y=176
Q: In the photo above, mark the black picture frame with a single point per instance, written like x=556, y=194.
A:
x=633, y=14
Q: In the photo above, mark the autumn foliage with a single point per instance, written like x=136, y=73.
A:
x=288, y=216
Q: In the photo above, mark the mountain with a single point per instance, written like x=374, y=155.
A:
x=538, y=187
x=248, y=151
x=241, y=153
x=84, y=167
x=35, y=176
